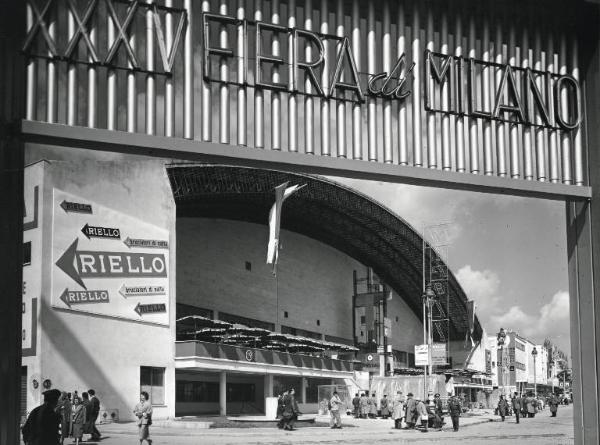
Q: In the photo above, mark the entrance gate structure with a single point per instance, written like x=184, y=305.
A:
x=495, y=97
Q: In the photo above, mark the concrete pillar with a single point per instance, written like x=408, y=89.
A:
x=268, y=386
x=223, y=393
x=303, y=385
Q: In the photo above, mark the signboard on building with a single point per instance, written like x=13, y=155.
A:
x=439, y=355
x=95, y=271
x=421, y=355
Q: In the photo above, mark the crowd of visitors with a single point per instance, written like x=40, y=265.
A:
x=62, y=415
x=526, y=405
x=410, y=412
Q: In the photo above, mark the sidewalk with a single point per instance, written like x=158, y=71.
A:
x=202, y=425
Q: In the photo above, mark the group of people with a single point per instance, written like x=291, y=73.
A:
x=414, y=412
x=63, y=415
x=365, y=406
x=66, y=414
x=287, y=410
x=525, y=406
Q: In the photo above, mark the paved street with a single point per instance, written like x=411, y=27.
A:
x=541, y=430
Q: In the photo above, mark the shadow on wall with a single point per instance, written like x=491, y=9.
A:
x=73, y=349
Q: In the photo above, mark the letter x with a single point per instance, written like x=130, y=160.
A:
x=41, y=24
x=81, y=30
x=121, y=36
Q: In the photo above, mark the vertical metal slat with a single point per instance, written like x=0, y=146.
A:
x=188, y=73
x=388, y=156
x=224, y=76
x=325, y=149
x=357, y=130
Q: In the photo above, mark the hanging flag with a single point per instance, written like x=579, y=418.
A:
x=282, y=192
x=471, y=324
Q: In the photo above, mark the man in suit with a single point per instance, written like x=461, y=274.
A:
x=516, y=405
x=290, y=410
x=94, y=416
x=43, y=422
x=411, y=411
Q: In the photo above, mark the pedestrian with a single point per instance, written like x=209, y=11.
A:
x=143, y=411
x=455, y=410
x=411, y=411
x=43, y=423
x=290, y=410
x=398, y=410
x=502, y=407
x=85, y=401
x=531, y=405
x=438, y=413
x=553, y=403
x=372, y=402
x=63, y=409
x=364, y=406
x=280, y=409
x=94, y=416
x=430, y=405
x=516, y=404
x=356, y=406
x=77, y=420
x=336, y=405
x=385, y=409
x=423, y=417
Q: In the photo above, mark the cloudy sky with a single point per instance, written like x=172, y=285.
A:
x=508, y=253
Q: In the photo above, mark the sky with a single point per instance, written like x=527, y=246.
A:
x=508, y=253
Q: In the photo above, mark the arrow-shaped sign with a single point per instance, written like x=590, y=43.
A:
x=150, y=308
x=76, y=207
x=98, y=264
x=141, y=291
x=101, y=232
x=137, y=242
x=71, y=297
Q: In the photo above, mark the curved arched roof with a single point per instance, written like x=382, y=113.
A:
x=325, y=211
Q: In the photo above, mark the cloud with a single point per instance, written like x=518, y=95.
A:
x=552, y=319
x=481, y=287
x=549, y=321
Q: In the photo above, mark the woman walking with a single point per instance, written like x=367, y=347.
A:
x=502, y=407
x=78, y=416
x=63, y=408
x=143, y=412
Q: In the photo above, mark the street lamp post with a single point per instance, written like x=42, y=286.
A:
x=429, y=297
x=534, y=353
x=501, y=337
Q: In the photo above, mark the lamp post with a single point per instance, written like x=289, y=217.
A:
x=534, y=353
x=551, y=363
x=501, y=337
x=429, y=297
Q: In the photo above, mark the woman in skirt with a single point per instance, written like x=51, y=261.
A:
x=78, y=416
x=143, y=412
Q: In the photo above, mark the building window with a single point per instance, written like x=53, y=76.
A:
x=27, y=253
x=192, y=391
x=248, y=265
x=363, y=319
x=411, y=360
x=241, y=392
x=152, y=380
x=285, y=314
x=318, y=322
x=396, y=319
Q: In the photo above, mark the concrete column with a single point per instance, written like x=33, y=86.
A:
x=303, y=385
x=223, y=393
x=268, y=387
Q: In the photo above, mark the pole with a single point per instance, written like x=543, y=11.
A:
x=424, y=314
x=534, y=377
